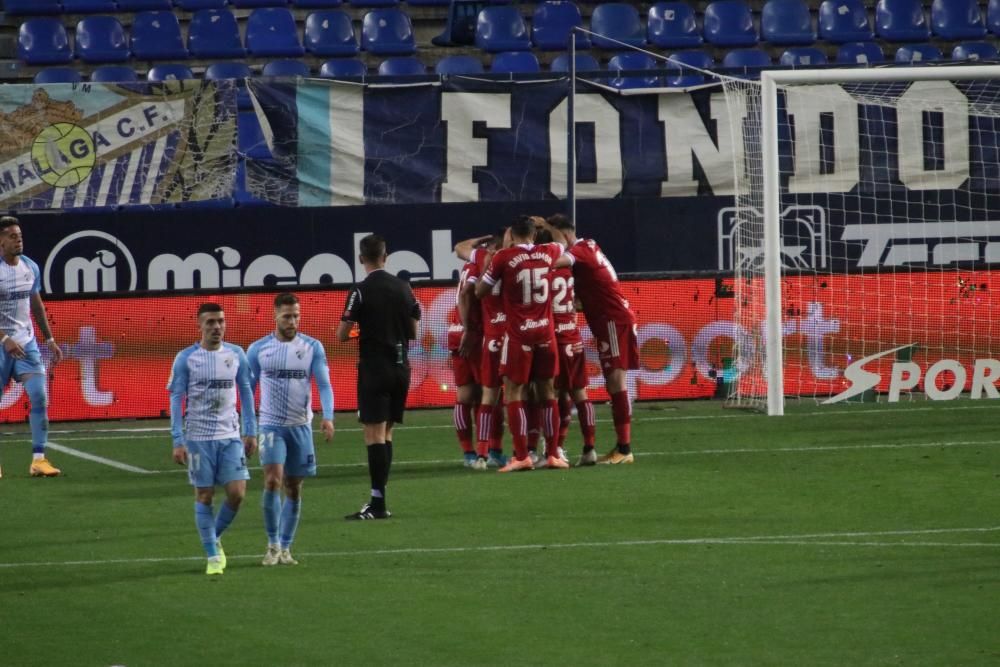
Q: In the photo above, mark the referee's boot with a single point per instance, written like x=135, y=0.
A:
x=368, y=513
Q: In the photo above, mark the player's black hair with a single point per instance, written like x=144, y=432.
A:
x=209, y=307
x=8, y=221
x=543, y=236
x=372, y=247
x=523, y=227
x=561, y=222
x=285, y=299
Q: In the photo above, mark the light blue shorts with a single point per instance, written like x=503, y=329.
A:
x=290, y=446
x=216, y=462
x=17, y=368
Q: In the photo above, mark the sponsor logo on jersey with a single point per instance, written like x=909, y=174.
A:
x=290, y=374
x=220, y=384
x=529, y=324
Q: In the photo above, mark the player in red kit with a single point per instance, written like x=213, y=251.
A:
x=529, y=348
x=465, y=332
x=611, y=322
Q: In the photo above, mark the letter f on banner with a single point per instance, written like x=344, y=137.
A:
x=860, y=379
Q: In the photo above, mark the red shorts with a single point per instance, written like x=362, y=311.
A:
x=572, y=367
x=489, y=363
x=466, y=369
x=617, y=345
x=521, y=362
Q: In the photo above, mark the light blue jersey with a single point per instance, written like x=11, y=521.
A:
x=17, y=284
x=210, y=380
x=284, y=371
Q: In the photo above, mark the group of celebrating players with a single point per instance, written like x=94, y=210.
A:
x=515, y=329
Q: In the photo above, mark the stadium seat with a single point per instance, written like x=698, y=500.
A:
x=632, y=61
x=197, y=5
x=974, y=51
x=584, y=63
x=32, y=7
x=144, y=5
x=957, y=19
x=316, y=4
x=250, y=4
x=428, y=3
x=747, y=62
x=993, y=16
x=551, y=24
x=249, y=137
x=286, y=68
x=157, y=36
x=460, y=27
x=901, y=21
x=786, y=22
x=169, y=72
x=842, y=21
x=333, y=69
x=101, y=39
x=501, y=28
x=729, y=23
x=860, y=53
x=374, y=3
x=401, y=66
x=88, y=6
x=271, y=31
x=330, y=33
x=672, y=25
x=58, y=75
x=918, y=53
x=388, y=32
x=515, y=62
x=113, y=74
x=802, y=56
x=458, y=65
x=43, y=41
x=616, y=22
x=213, y=33
x=679, y=76
x=232, y=70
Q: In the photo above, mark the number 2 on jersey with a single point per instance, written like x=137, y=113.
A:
x=534, y=285
x=561, y=286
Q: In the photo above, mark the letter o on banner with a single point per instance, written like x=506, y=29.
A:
x=705, y=337
x=678, y=353
x=930, y=380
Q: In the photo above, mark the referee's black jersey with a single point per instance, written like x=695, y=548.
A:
x=382, y=305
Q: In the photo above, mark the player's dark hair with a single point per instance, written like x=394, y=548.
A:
x=209, y=307
x=543, y=236
x=523, y=227
x=8, y=221
x=372, y=247
x=497, y=239
x=561, y=222
x=285, y=299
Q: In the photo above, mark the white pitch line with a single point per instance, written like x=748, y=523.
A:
x=96, y=459
x=797, y=540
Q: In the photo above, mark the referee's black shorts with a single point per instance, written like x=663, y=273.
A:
x=382, y=389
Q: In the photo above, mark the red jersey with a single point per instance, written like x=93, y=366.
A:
x=597, y=281
x=467, y=276
x=563, y=309
x=494, y=322
x=523, y=273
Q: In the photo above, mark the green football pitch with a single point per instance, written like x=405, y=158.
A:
x=857, y=535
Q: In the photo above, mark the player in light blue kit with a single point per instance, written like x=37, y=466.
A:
x=209, y=374
x=284, y=363
x=20, y=358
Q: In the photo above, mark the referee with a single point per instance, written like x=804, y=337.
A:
x=387, y=315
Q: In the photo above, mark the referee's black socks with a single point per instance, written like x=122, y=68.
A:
x=388, y=449
x=378, y=470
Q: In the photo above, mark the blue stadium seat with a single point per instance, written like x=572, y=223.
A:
x=232, y=70
x=460, y=26
x=88, y=6
x=974, y=51
x=901, y=21
x=515, y=62
x=619, y=22
x=286, y=68
x=374, y=3
x=428, y=3
x=957, y=19
x=157, y=36
x=501, y=28
x=340, y=67
x=584, y=63
x=918, y=53
x=271, y=31
x=316, y=4
x=196, y=5
x=144, y=5
x=786, y=22
x=101, y=39
x=748, y=62
x=32, y=7
x=729, y=23
x=458, y=65
x=401, y=66
x=330, y=33
x=551, y=24
x=249, y=137
x=802, y=56
x=58, y=75
x=213, y=33
x=43, y=41
x=860, y=53
x=250, y=4
x=682, y=77
x=113, y=74
x=993, y=16
x=388, y=32
x=842, y=21
x=672, y=25
x=169, y=72
x=632, y=61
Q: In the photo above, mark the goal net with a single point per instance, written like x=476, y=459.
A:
x=868, y=217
